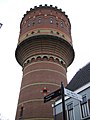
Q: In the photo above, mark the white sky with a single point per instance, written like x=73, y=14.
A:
x=11, y=13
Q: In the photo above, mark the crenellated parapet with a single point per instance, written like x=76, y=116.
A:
x=43, y=20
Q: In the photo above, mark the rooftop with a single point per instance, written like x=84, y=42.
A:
x=81, y=78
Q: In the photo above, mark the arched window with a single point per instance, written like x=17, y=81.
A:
x=28, y=61
x=57, y=60
x=38, y=58
x=51, y=59
x=33, y=60
x=62, y=62
x=45, y=57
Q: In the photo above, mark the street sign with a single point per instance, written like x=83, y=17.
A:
x=52, y=95
x=72, y=94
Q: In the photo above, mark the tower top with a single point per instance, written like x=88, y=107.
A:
x=45, y=23
x=47, y=7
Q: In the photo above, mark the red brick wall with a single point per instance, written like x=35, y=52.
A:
x=36, y=76
x=46, y=14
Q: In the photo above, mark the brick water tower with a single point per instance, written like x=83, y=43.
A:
x=44, y=51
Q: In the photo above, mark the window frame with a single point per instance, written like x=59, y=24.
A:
x=70, y=110
x=85, y=103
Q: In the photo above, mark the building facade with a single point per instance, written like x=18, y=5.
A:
x=44, y=51
x=76, y=110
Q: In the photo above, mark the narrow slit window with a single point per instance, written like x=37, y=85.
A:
x=51, y=20
x=29, y=24
x=61, y=23
x=39, y=21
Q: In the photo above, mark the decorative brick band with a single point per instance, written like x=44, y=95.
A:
x=56, y=63
x=44, y=70
x=40, y=58
x=33, y=100
x=39, y=31
x=39, y=84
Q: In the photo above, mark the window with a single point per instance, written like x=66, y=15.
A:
x=51, y=20
x=33, y=23
x=39, y=21
x=21, y=113
x=29, y=23
x=61, y=23
x=61, y=62
x=84, y=107
x=70, y=111
x=28, y=61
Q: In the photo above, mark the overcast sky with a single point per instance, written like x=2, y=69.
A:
x=11, y=13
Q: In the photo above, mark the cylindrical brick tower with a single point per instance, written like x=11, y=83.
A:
x=44, y=51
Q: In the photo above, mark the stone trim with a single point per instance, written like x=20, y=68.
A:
x=33, y=100
x=44, y=83
x=48, y=56
x=44, y=31
x=44, y=70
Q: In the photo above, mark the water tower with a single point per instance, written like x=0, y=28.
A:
x=44, y=51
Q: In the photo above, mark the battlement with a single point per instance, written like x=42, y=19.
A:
x=51, y=7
